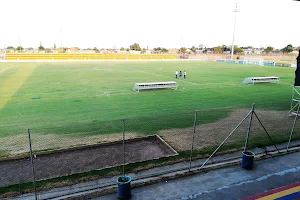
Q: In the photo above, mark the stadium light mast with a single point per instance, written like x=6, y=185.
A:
x=20, y=44
x=235, y=10
x=180, y=47
x=60, y=38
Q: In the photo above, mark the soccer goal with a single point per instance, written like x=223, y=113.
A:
x=254, y=61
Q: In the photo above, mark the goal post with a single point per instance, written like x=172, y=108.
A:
x=254, y=61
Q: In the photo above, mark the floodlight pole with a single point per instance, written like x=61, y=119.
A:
x=235, y=11
x=60, y=38
x=180, y=48
x=20, y=44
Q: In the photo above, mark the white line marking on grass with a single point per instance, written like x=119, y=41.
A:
x=3, y=70
x=163, y=76
x=106, y=94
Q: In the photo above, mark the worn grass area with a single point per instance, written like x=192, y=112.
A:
x=277, y=124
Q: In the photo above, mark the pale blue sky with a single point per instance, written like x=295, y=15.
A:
x=119, y=23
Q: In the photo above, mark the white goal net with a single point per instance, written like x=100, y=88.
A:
x=254, y=61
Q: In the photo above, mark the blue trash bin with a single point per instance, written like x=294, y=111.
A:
x=248, y=159
x=124, y=187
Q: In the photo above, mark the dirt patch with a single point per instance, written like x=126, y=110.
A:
x=212, y=134
x=83, y=159
x=18, y=144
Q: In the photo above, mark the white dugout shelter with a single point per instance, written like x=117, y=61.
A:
x=155, y=85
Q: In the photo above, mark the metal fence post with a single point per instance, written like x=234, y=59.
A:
x=249, y=127
x=225, y=140
x=192, y=148
x=32, y=164
x=287, y=148
x=123, y=146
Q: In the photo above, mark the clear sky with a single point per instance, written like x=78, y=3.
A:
x=164, y=23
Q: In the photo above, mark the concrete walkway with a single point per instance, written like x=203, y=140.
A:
x=210, y=181
x=225, y=183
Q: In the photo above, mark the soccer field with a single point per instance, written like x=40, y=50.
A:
x=36, y=95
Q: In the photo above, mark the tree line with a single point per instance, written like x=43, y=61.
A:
x=136, y=47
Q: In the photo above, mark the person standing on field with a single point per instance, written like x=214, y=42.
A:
x=180, y=74
x=176, y=74
x=184, y=74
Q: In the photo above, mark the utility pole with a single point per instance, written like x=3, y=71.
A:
x=20, y=45
x=60, y=38
x=180, y=48
x=235, y=10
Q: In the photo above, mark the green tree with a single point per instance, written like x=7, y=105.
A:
x=237, y=50
x=143, y=50
x=164, y=50
x=122, y=49
x=96, y=50
x=225, y=48
x=19, y=48
x=193, y=49
x=10, y=48
x=157, y=49
x=182, y=50
x=218, y=49
x=41, y=48
x=288, y=49
x=269, y=49
x=135, y=47
x=54, y=46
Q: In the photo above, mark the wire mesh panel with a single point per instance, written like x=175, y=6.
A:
x=150, y=143
x=267, y=128
x=14, y=158
x=64, y=150
x=212, y=128
x=159, y=141
x=277, y=123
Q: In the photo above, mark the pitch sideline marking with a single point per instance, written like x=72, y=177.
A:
x=3, y=70
x=106, y=94
x=163, y=76
x=184, y=81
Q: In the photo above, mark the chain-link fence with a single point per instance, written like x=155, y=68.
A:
x=131, y=145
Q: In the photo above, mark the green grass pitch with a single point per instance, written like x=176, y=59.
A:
x=37, y=95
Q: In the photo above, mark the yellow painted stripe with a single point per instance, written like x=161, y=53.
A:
x=281, y=194
x=11, y=84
